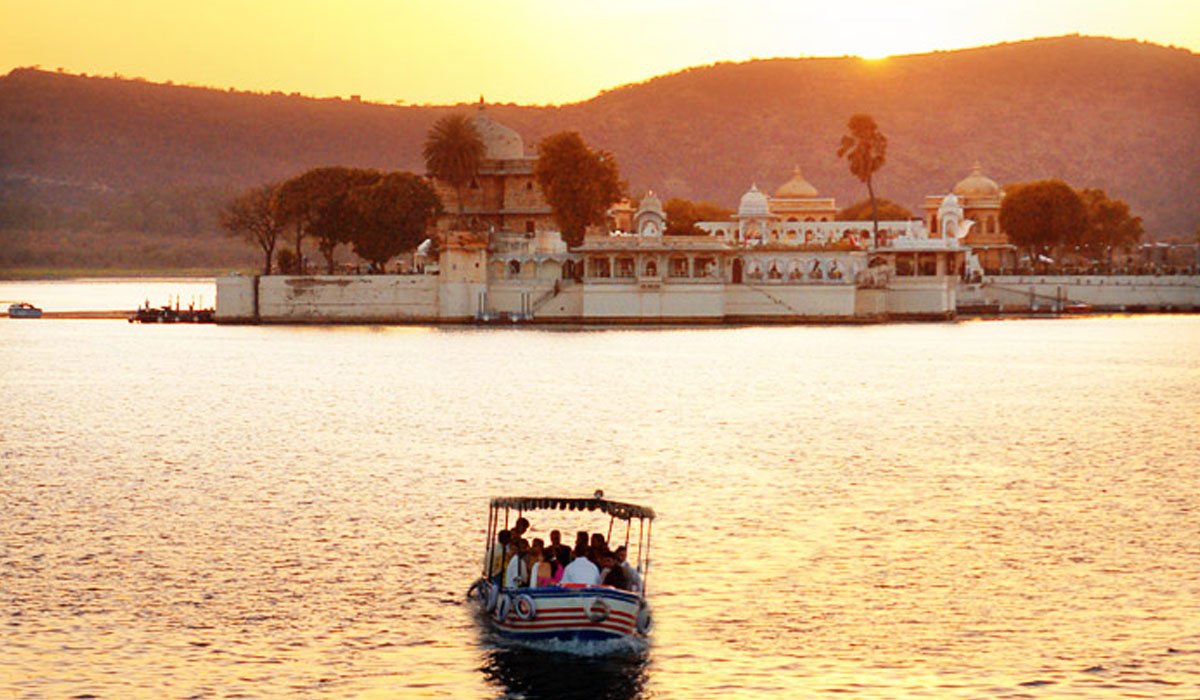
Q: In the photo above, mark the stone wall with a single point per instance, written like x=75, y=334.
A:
x=1104, y=292
x=328, y=299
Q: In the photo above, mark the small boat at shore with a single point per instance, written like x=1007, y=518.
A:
x=169, y=314
x=24, y=310
x=572, y=617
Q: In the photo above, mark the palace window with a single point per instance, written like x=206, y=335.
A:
x=927, y=266
x=905, y=266
x=679, y=267
x=514, y=268
x=625, y=267
x=598, y=267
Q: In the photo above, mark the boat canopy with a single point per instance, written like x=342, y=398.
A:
x=624, y=511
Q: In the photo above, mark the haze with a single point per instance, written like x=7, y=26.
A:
x=524, y=51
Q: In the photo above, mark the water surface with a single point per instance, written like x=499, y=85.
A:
x=977, y=509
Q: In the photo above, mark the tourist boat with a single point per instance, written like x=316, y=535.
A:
x=569, y=617
x=24, y=310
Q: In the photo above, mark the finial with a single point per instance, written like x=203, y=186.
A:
x=599, y=493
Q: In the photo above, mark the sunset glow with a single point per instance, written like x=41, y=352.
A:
x=528, y=51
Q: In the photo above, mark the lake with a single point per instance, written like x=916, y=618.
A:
x=971, y=509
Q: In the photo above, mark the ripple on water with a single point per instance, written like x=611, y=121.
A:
x=222, y=511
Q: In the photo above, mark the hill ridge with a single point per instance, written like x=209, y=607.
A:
x=1074, y=107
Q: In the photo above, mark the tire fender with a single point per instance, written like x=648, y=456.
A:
x=597, y=610
x=525, y=607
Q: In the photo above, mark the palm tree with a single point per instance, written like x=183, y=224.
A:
x=453, y=151
x=866, y=149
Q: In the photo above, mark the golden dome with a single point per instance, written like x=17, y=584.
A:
x=977, y=185
x=796, y=188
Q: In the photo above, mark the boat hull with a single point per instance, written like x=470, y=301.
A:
x=564, y=614
x=24, y=311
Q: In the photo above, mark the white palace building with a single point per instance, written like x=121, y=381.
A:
x=782, y=258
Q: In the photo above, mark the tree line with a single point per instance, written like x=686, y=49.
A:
x=382, y=214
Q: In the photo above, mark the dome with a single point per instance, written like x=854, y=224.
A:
x=754, y=203
x=796, y=188
x=499, y=141
x=651, y=203
x=977, y=185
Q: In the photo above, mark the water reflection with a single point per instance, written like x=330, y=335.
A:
x=522, y=673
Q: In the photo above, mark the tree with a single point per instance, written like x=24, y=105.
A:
x=866, y=149
x=1109, y=223
x=390, y=215
x=682, y=215
x=312, y=202
x=1042, y=215
x=886, y=209
x=252, y=216
x=580, y=184
x=453, y=151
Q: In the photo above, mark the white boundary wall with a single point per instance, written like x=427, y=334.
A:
x=1105, y=292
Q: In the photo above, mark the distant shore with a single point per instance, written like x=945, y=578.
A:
x=52, y=274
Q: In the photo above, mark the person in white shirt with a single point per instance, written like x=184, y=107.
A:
x=581, y=570
x=517, y=573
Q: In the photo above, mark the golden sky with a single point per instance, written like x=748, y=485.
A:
x=525, y=51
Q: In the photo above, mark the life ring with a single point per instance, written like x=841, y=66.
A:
x=525, y=607
x=476, y=590
x=597, y=610
x=503, y=607
x=644, y=620
x=490, y=595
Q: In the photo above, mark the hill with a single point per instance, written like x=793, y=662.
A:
x=1120, y=115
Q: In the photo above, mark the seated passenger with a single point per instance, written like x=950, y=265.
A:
x=635, y=579
x=598, y=545
x=547, y=572
x=581, y=570
x=563, y=561
x=534, y=557
x=517, y=573
x=581, y=539
x=613, y=574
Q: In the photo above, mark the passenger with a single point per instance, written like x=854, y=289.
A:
x=564, y=560
x=635, y=579
x=495, y=560
x=517, y=573
x=582, y=570
x=613, y=574
x=519, y=530
x=581, y=540
x=599, y=546
x=547, y=572
x=535, y=556
x=556, y=543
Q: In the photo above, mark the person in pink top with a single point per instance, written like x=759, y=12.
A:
x=547, y=572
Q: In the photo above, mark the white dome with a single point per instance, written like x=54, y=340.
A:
x=499, y=141
x=651, y=203
x=754, y=203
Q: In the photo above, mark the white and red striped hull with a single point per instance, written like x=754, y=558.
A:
x=562, y=614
